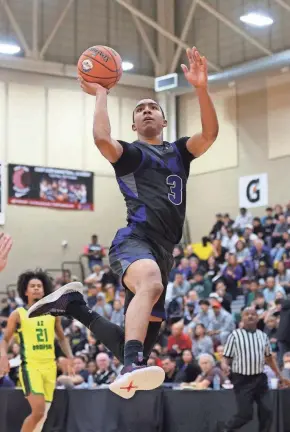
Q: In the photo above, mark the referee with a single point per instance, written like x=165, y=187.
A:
x=246, y=352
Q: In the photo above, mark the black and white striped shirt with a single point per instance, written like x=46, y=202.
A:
x=247, y=350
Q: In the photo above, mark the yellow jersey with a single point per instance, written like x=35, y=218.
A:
x=36, y=338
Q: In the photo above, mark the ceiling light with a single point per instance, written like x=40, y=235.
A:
x=127, y=66
x=257, y=20
x=9, y=48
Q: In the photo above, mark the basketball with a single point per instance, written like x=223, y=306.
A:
x=102, y=65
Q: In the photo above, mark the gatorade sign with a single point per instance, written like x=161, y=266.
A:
x=253, y=191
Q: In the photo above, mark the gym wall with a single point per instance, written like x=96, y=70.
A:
x=254, y=138
x=48, y=121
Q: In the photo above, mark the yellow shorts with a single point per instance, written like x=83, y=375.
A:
x=38, y=379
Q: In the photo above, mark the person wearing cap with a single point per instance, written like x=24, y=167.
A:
x=249, y=235
x=221, y=324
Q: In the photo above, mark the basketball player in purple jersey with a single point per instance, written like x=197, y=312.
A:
x=152, y=176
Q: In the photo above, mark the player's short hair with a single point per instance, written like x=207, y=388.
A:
x=26, y=277
x=154, y=102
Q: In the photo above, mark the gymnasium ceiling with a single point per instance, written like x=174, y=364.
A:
x=59, y=30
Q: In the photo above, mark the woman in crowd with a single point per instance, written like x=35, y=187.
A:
x=283, y=276
x=201, y=343
x=212, y=268
x=242, y=252
x=233, y=273
x=189, y=369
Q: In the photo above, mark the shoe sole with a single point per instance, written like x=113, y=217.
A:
x=53, y=297
x=148, y=378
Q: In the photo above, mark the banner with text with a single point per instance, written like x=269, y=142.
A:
x=2, y=194
x=50, y=187
x=253, y=191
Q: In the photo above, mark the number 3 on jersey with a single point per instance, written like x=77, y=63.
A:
x=175, y=184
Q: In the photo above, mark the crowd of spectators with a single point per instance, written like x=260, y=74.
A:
x=241, y=262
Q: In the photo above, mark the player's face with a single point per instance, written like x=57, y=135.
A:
x=34, y=290
x=148, y=119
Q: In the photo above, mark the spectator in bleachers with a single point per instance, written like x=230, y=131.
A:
x=225, y=298
x=282, y=277
x=77, y=337
x=102, y=308
x=268, y=231
x=118, y=314
x=105, y=374
x=189, y=368
x=185, y=269
x=258, y=228
x=219, y=251
x=229, y=240
x=241, y=251
x=178, y=340
x=271, y=329
x=80, y=367
x=254, y=287
x=177, y=255
x=201, y=285
x=216, y=229
x=260, y=252
x=280, y=228
x=109, y=277
x=243, y=219
x=271, y=289
x=201, y=342
x=94, y=252
x=191, y=306
x=116, y=366
x=95, y=276
x=90, y=349
x=278, y=210
x=233, y=273
x=205, y=314
x=269, y=214
x=203, y=250
x=249, y=236
x=179, y=288
x=212, y=268
x=208, y=372
x=170, y=369
x=221, y=325
x=228, y=222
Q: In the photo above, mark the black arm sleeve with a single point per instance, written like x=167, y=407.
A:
x=129, y=161
x=186, y=156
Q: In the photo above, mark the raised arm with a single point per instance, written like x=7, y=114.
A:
x=197, y=76
x=110, y=148
x=11, y=328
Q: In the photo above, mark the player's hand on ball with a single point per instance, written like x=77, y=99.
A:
x=196, y=74
x=4, y=366
x=91, y=88
x=5, y=247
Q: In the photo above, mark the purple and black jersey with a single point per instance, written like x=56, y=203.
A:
x=152, y=179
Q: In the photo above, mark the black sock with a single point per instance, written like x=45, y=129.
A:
x=109, y=334
x=133, y=352
x=151, y=338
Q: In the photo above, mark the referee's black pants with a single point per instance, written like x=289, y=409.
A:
x=250, y=389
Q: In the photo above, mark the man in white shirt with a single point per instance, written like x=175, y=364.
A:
x=243, y=219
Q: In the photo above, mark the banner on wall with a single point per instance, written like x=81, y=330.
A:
x=253, y=191
x=50, y=187
x=2, y=192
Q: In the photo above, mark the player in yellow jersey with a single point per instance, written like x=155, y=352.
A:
x=38, y=367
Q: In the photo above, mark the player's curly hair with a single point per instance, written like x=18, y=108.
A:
x=25, y=278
